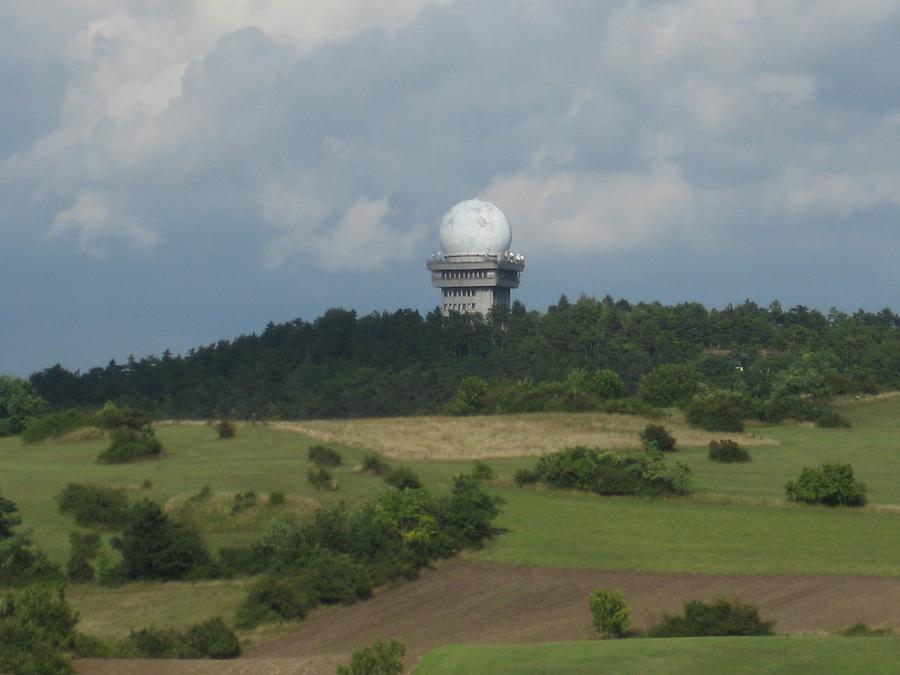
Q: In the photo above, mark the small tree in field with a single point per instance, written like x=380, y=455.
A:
x=226, y=429
x=609, y=613
x=656, y=437
x=376, y=659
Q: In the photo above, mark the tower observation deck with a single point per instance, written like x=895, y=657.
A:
x=475, y=269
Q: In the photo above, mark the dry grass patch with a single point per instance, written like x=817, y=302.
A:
x=215, y=513
x=499, y=436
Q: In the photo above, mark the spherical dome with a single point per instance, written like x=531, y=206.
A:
x=474, y=227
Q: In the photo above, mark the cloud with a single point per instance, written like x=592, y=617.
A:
x=588, y=212
x=362, y=239
x=100, y=228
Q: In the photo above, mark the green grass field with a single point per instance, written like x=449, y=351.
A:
x=704, y=533
x=871, y=445
x=569, y=529
x=743, y=655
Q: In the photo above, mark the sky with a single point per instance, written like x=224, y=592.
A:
x=175, y=172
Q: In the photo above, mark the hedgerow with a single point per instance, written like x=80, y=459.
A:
x=609, y=473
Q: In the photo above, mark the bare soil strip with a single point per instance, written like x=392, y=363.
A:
x=468, y=602
x=499, y=436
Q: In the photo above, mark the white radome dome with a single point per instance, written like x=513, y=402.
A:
x=474, y=227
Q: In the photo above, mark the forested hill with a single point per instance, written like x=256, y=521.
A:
x=402, y=363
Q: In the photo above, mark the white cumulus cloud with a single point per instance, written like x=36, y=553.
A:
x=100, y=228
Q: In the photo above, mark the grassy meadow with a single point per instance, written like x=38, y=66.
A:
x=736, y=522
x=745, y=655
x=570, y=529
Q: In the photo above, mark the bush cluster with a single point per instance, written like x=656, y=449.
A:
x=83, y=550
x=718, y=618
x=580, y=390
x=323, y=455
x=372, y=463
x=343, y=554
x=608, y=473
x=226, y=429
x=377, y=658
x=130, y=445
x=37, y=628
x=154, y=547
x=727, y=451
x=402, y=478
x=321, y=479
x=94, y=504
x=609, y=613
x=210, y=639
x=829, y=484
x=21, y=561
x=719, y=410
x=657, y=438
x=831, y=419
x=56, y=424
x=243, y=501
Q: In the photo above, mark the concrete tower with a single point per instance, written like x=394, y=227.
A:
x=475, y=269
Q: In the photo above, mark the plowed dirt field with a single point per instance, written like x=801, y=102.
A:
x=467, y=602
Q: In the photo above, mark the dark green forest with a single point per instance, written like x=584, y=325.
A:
x=401, y=363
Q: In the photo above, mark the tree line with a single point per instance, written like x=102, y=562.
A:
x=401, y=363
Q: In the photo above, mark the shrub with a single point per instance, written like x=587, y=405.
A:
x=609, y=613
x=213, y=639
x=862, y=630
x=153, y=547
x=323, y=455
x=525, y=477
x=243, y=501
x=376, y=659
x=610, y=473
x=831, y=419
x=657, y=437
x=22, y=562
x=204, y=494
x=669, y=384
x=130, y=445
x=8, y=517
x=84, y=549
x=830, y=484
x=372, y=463
x=722, y=617
x=54, y=425
x=37, y=627
x=402, y=478
x=146, y=484
x=336, y=577
x=468, y=512
x=226, y=429
x=19, y=403
x=273, y=599
x=94, y=504
x=719, y=410
x=321, y=479
x=471, y=397
x=111, y=416
x=235, y=561
x=482, y=471
x=152, y=643
x=276, y=499
x=727, y=451
x=607, y=384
